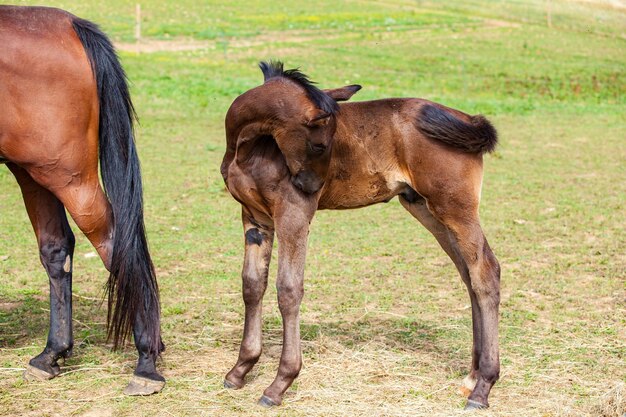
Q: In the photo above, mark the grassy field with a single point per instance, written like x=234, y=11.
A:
x=385, y=320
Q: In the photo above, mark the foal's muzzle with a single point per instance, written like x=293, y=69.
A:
x=307, y=182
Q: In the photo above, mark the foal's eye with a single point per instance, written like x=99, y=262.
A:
x=317, y=148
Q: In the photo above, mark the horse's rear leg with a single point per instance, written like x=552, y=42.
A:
x=83, y=197
x=416, y=205
x=56, y=248
x=484, y=272
x=92, y=212
x=469, y=249
x=258, y=251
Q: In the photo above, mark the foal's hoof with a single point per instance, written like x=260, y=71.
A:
x=475, y=405
x=267, y=402
x=230, y=385
x=35, y=374
x=143, y=386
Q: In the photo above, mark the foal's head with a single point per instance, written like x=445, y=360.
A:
x=301, y=119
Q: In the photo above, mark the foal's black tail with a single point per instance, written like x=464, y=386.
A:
x=476, y=136
x=132, y=287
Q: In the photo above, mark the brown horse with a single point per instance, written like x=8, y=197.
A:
x=64, y=101
x=292, y=150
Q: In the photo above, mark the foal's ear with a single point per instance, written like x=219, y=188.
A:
x=343, y=93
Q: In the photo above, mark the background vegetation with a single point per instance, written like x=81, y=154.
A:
x=386, y=320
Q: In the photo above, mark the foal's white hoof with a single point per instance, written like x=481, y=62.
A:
x=35, y=374
x=143, y=386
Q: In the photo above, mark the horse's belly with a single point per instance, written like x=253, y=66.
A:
x=359, y=192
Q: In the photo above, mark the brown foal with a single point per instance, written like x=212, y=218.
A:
x=292, y=150
x=64, y=107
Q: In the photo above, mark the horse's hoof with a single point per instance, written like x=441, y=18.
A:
x=475, y=405
x=143, y=386
x=230, y=385
x=35, y=374
x=267, y=402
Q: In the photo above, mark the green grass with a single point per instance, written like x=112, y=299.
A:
x=385, y=322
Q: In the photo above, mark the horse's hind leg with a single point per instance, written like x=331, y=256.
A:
x=78, y=188
x=258, y=251
x=90, y=209
x=470, y=250
x=484, y=272
x=56, y=248
x=416, y=205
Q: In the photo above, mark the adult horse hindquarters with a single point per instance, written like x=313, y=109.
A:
x=291, y=150
x=65, y=101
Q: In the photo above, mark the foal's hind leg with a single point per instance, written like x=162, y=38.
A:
x=258, y=240
x=484, y=272
x=416, y=205
x=467, y=246
x=56, y=248
x=460, y=216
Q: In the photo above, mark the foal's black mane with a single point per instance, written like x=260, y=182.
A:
x=322, y=100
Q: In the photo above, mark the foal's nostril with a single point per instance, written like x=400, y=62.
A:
x=307, y=182
x=297, y=181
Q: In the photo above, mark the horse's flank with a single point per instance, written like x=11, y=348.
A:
x=375, y=144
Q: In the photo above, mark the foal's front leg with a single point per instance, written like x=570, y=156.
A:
x=258, y=240
x=292, y=229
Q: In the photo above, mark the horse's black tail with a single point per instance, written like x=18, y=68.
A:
x=476, y=136
x=132, y=286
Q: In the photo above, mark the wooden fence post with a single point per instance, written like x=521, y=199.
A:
x=549, y=14
x=138, y=22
